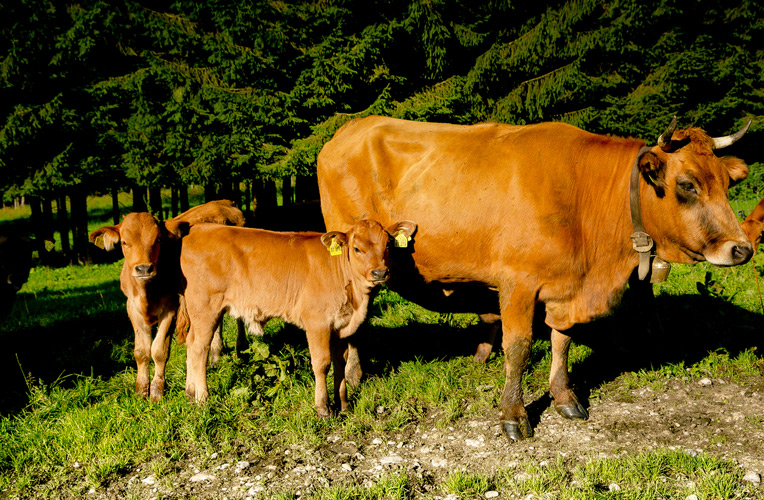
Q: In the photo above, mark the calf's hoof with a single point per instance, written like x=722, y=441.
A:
x=157, y=390
x=516, y=431
x=353, y=374
x=483, y=351
x=572, y=412
x=142, y=390
x=323, y=413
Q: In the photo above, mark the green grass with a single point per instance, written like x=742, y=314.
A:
x=70, y=421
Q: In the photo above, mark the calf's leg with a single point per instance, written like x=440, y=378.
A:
x=198, y=341
x=339, y=350
x=517, y=307
x=141, y=351
x=565, y=401
x=319, y=344
x=492, y=321
x=160, y=351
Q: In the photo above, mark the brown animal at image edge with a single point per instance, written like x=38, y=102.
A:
x=150, y=279
x=318, y=282
x=539, y=213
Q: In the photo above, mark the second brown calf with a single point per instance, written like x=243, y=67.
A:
x=318, y=282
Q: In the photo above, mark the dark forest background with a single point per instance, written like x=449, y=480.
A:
x=239, y=97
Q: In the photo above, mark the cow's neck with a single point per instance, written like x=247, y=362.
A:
x=606, y=252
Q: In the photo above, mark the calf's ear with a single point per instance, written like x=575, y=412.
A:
x=339, y=237
x=176, y=229
x=406, y=227
x=105, y=237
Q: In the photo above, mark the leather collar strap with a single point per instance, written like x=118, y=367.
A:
x=641, y=241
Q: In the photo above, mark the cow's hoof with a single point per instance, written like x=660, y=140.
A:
x=516, y=431
x=572, y=412
x=323, y=413
x=142, y=390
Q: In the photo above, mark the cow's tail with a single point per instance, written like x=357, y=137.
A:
x=182, y=322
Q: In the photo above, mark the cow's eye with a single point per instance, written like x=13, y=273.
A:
x=356, y=250
x=688, y=187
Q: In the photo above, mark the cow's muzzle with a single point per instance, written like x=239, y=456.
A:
x=731, y=253
x=379, y=275
x=144, y=271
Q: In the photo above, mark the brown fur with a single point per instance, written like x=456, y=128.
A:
x=256, y=275
x=539, y=213
x=150, y=279
x=754, y=224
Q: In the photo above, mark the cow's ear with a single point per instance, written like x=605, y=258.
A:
x=106, y=237
x=334, y=236
x=405, y=227
x=736, y=167
x=176, y=229
x=653, y=169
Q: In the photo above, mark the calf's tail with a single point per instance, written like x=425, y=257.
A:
x=182, y=322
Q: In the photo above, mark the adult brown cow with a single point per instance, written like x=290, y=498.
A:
x=256, y=275
x=540, y=213
x=150, y=279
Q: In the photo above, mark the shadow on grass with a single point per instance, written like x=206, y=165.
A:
x=69, y=339
x=628, y=340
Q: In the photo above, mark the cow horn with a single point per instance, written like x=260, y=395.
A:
x=729, y=140
x=664, y=140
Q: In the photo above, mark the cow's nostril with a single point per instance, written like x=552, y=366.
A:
x=379, y=274
x=144, y=269
x=742, y=253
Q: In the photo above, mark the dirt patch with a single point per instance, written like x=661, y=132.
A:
x=715, y=417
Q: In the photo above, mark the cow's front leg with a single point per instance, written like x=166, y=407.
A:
x=565, y=401
x=339, y=350
x=160, y=351
x=517, y=307
x=141, y=351
x=319, y=344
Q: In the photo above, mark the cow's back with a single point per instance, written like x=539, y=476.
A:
x=484, y=196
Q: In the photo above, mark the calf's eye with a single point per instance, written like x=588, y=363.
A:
x=688, y=187
x=356, y=250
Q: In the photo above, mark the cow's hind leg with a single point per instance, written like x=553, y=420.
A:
x=160, y=351
x=517, y=308
x=216, y=346
x=565, y=401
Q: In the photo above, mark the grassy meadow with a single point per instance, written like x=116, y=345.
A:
x=69, y=420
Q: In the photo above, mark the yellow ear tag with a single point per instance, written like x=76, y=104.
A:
x=401, y=240
x=335, y=248
x=99, y=241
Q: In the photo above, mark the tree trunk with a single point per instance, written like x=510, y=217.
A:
x=235, y=194
x=155, y=202
x=248, y=199
x=287, y=191
x=306, y=188
x=210, y=192
x=63, y=226
x=174, y=200
x=183, y=198
x=115, y=205
x=139, y=199
x=79, y=225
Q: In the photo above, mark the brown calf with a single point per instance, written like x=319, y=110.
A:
x=150, y=279
x=319, y=282
x=754, y=224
